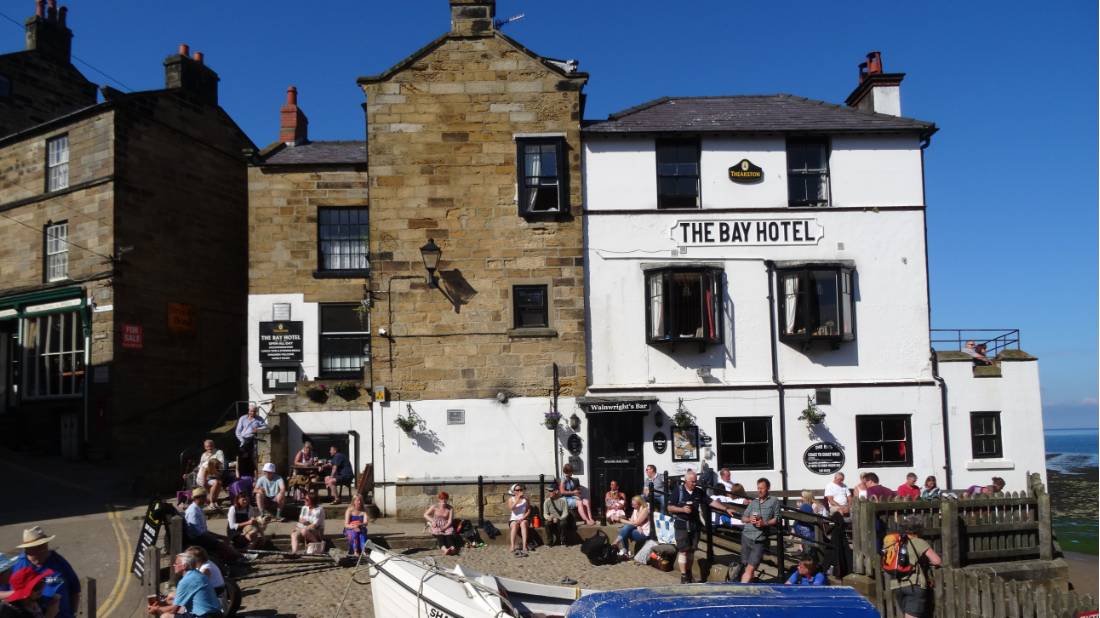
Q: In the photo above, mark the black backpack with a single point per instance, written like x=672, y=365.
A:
x=468, y=532
x=597, y=548
x=490, y=529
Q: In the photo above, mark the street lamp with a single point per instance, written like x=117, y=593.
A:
x=431, y=253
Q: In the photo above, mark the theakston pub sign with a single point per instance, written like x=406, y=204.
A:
x=280, y=342
x=747, y=232
x=746, y=173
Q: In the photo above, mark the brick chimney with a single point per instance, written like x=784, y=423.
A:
x=47, y=33
x=877, y=91
x=473, y=17
x=293, y=124
x=191, y=75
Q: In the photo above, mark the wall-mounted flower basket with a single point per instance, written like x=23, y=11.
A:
x=410, y=422
x=683, y=418
x=812, y=414
x=348, y=391
x=550, y=420
x=317, y=393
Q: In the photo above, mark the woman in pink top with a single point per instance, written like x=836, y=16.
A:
x=614, y=504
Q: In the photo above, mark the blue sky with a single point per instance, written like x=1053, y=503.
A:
x=1011, y=176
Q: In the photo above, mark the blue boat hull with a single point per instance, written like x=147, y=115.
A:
x=727, y=600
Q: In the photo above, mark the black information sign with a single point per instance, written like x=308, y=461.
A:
x=574, y=444
x=280, y=342
x=824, y=458
x=150, y=530
x=660, y=442
x=745, y=172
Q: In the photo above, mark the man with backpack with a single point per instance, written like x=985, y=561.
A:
x=684, y=506
x=905, y=560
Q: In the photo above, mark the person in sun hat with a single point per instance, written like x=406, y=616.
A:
x=5, y=575
x=31, y=596
x=61, y=579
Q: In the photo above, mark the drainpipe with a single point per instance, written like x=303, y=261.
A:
x=943, y=414
x=775, y=376
x=928, y=296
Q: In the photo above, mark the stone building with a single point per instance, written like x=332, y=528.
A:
x=473, y=159
x=123, y=262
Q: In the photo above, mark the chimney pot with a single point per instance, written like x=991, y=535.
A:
x=184, y=49
x=62, y=14
x=40, y=8
x=197, y=57
x=874, y=62
x=293, y=124
x=877, y=91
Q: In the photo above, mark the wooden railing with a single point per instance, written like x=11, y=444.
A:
x=965, y=533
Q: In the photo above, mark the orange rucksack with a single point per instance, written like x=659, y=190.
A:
x=895, y=556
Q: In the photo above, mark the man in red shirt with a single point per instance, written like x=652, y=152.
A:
x=874, y=490
x=909, y=489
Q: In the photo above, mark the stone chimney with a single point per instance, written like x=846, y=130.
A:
x=293, y=124
x=473, y=17
x=47, y=33
x=877, y=91
x=191, y=75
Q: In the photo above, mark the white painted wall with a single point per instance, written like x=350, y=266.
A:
x=865, y=170
x=1016, y=396
x=921, y=402
x=259, y=310
x=890, y=304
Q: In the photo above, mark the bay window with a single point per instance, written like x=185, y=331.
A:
x=815, y=303
x=684, y=304
x=345, y=342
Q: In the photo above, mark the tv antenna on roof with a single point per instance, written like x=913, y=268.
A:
x=500, y=23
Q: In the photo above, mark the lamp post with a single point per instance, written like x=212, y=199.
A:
x=431, y=253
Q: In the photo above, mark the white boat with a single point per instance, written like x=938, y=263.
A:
x=405, y=587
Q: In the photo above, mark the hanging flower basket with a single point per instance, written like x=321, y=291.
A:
x=348, y=391
x=317, y=393
x=812, y=414
x=682, y=418
x=551, y=419
x=409, y=422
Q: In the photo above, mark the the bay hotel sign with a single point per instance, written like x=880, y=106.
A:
x=747, y=232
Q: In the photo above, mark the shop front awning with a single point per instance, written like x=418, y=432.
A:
x=643, y=404
x=42, y=302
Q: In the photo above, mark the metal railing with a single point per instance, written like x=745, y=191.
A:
x=995, y=339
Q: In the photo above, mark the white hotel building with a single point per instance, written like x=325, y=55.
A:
x=747, y=255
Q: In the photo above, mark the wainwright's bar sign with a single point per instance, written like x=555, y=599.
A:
x=704, y=233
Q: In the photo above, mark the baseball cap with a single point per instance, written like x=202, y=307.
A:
x=269, y=467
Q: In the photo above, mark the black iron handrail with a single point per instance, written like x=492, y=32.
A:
x=995, y=339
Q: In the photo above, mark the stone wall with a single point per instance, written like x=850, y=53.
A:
x=42, y=88
x=282, y=228
x=442, y=153
x=412, y=500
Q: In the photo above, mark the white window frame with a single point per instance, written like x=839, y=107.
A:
x=57, y=251
x=40, y=361
x=57, y=163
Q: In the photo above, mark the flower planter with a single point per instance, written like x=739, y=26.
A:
x=317, y=394
x=348, y=392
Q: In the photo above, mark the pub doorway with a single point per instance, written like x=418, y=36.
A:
x=615, y=453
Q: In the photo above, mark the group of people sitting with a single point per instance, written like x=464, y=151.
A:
x=838, y=496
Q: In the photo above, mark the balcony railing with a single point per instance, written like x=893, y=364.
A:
x=995, y=339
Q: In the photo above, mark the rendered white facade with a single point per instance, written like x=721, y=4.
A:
x=875, y=224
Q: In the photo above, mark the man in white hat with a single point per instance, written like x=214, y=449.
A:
x=38, y=557
x=271, y=490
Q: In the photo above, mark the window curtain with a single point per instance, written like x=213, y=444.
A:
x=534, y=170
x=656, y=305
x=790, y=303
x=712, y=331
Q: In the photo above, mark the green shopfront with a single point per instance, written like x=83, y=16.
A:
x=44, y=358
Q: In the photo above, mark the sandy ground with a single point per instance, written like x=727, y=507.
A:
x=279, y=594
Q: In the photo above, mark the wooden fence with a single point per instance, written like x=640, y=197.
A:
x=967, y=532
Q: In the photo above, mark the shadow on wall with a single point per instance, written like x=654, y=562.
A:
x=821, y=433
x=456, y=288
x=428, y=440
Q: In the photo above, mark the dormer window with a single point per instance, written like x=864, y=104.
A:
x=815, y=303
x=684, y=304
x=542, y=176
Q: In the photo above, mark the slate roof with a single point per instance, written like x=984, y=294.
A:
x=318, y=153
x=774, y=113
